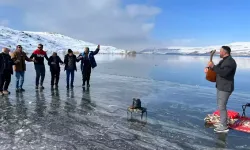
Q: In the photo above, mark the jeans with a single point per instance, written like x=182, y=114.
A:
x=19, y=79
x=40, y=72
x=71, y=73
x=55, y=75
x=86, y=75
x=222, y=99
x=5, y=79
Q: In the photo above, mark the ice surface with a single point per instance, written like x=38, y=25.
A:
x=96, y=118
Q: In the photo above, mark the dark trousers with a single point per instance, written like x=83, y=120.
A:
x=55, y=75
x=70, y=72
x=5, y=79
x=40, y=72
x=86, y=75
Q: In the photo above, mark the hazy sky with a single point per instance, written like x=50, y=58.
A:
x=134, y=24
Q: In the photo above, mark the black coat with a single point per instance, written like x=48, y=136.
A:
x=57, y=65
x=66, y=60
x=6, y=63
x=225, y=71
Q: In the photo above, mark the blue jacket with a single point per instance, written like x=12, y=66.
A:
x=91, y=58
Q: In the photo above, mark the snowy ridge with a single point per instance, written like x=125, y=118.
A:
x=238, y=49
x=51, y=41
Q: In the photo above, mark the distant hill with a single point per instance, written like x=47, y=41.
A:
x=238, y=49
x=51, y=41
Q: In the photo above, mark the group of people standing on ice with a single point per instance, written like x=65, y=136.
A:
x=19, y=57
x=225, y=72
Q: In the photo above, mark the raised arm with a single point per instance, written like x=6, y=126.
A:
x=97, y=50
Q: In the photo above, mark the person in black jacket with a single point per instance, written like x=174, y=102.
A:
x=54, y=63
x=225, y=72
x=70, y=67
x=6, y=70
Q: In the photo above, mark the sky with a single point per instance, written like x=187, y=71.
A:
x=134, y=24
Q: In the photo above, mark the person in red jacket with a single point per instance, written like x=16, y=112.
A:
x=39, y=55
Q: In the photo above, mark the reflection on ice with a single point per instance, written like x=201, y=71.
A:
x=242, y=62
x=110, y=58
x=79, y=119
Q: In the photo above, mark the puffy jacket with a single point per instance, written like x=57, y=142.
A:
x=91, y=58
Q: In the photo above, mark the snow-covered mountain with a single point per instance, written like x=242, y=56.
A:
x=51, y=41
x=238, y=49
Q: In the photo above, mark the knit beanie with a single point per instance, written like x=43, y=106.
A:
x=70, y=51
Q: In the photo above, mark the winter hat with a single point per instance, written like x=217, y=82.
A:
x=70, y=51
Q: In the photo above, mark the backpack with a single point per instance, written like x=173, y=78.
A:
x=136, y=103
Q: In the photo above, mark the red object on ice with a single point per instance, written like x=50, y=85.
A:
x=242, y=124
x=230, y=113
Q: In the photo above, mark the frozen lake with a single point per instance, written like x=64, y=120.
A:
x=173, y=88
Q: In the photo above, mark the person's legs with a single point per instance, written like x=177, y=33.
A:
x=42, y=75
x=222, y=99
x=83, y=77
x=222, y=104
x=7, y=79
x=1, y=83
x=18, y=74
x=217, y=102
x=88, y=76
x=52, y=78
x=67, y=77
x=72, y=78
x=22, y=73
x=38, y=74
x=57, y=75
